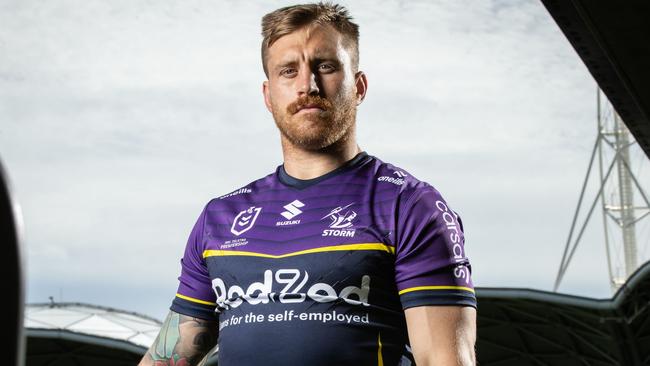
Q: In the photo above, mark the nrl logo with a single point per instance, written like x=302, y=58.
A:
x=245, y=220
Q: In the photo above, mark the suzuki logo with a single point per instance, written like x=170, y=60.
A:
x=245, y=220
x=292, y=209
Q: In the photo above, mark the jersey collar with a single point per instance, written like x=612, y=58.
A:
x=290, y=181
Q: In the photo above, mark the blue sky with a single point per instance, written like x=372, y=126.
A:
x=119, y=120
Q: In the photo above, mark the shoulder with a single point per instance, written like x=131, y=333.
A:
x=399, y=180
x=412, y=196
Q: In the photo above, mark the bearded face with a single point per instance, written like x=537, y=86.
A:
x=312, y=90
x=313, y=123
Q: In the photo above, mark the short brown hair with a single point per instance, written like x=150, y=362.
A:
x=292, y=18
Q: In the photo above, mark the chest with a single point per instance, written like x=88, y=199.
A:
x=281, y=222
x=305, y=247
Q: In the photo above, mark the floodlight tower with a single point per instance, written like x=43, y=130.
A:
x=626, y=218
x=619, y=206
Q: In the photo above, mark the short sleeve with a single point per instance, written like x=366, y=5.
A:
x=195, y=296
x=431, y=267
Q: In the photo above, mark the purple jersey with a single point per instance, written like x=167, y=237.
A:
x=318, y=272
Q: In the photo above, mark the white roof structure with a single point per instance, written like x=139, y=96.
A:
x=90, y=323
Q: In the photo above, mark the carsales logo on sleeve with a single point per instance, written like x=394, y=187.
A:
x=453, y=229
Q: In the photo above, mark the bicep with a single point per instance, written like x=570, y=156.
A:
x=182, y=337
x=442, y=335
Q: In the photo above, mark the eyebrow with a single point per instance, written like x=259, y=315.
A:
x=321, y=54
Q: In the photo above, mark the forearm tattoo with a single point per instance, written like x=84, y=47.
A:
x=182, y=341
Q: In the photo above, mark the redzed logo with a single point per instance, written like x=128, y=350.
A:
x=294, y=289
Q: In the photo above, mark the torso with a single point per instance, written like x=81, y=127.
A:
x=309, y=270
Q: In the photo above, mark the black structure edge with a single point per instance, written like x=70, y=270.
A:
x=14, y=265
x=621, y=296
x=632, y=284
x=573, y=21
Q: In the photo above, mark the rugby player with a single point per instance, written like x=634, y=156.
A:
x=335, y=258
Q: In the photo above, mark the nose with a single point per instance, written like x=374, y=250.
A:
x=307, y=83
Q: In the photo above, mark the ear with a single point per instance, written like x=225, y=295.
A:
x=267, y=96
x=362, y=86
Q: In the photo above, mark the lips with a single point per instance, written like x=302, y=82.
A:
x=310, y=106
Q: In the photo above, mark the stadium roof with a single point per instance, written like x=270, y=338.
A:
x=516, y=327
x=521, y=327
x=530, y=327
x=82, y=334
x=611, y=38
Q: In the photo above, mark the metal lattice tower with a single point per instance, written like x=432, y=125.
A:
x=619, y=206
x=626, y=207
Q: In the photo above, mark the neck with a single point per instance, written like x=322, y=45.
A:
x=307, y=164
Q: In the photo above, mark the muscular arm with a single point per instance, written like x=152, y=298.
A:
x=442, y=335
x=181, y=337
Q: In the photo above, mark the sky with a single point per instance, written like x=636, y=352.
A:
x=120, y=120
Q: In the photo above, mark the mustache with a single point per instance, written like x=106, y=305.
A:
x=315, y=100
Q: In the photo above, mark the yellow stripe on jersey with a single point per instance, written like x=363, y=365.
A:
x=422, y=288
x=380, y=358
x=334, y=248
x=195, y=300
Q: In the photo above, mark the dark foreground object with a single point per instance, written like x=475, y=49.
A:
x=611, y=38
x=12, y=288
x=520, y=327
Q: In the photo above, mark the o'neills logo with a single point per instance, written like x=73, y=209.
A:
x=396, y=181
x=239, y=191
x=453, y=230
x=287, y=286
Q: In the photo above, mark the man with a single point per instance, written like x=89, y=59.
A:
x=336, y=258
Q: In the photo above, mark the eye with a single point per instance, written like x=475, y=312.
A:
x=326, y=68
x=288, y=72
